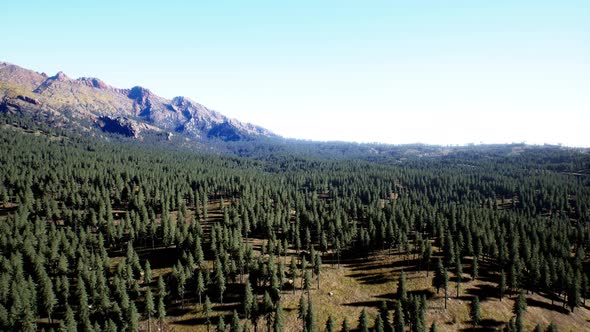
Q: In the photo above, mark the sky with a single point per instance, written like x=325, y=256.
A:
x=427, y=71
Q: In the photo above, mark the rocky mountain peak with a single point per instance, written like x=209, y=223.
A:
x=120, y=110
x=61, y=77
x=93, y=83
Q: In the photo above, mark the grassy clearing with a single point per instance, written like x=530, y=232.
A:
x=364, y=283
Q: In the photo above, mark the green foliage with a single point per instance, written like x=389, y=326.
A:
x=363, y=321
x=70, y=204
x=330, y=327
x=401, y=287
x=398, y=318
x=475, y=311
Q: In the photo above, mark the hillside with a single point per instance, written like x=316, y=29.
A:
x=109, y=236
x=86, y=104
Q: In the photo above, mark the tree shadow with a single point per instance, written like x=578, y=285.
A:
x=214, y=319
x=407, y=265
x=422, y=292
x=371, y=279
x=548, y=306
x=484, y=292
x=375, y=304
x=160, y=257
x=485, y=325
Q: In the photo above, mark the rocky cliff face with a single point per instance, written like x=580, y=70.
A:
x=117, y=110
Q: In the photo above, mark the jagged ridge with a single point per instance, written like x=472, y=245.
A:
x=92, y=99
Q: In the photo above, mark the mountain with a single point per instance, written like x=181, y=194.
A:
x=88, y=104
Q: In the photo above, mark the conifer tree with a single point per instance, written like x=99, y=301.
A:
x=161, y=311
x=345, y=326
x=458, y=272
x=502, y=284
x=317, y=267
x=310, y=318
x=475, y=311
x=302, y=310
x=220, y=325
x=363, y=321
x=474, y=269
x=279, y=324
x=149, y=307
x=518, y=309
x=378, y=326
x=438, y=279
x=200, y=286
x=401, y=287
x=248, y=300
x=235, y=323
x=384, y=313
x=219, y=280
x=433, y=327
x=398, y=318
x=68, y=324
x=552, y=327
x=147, y=273
x=208, y=310
x=330, y=325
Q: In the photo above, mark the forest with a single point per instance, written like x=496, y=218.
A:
x=116, y=236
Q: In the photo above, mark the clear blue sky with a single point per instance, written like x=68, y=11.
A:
x=445, y=72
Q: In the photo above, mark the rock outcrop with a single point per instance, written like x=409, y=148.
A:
x=119, y=110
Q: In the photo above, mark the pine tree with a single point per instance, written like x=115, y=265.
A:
x=68, y=324
x=401, y=287
x=330, y=325
x=363, y=321
x=345, y=326
x=518, y=309
x=293, y=271
x=307, y=284
x=200, y=286
x=149, y=307
x=220, y=325
x=248, y=300
x=398, y=318
x=310, y=317
x=317, y=267
x=384, y=313
x=474, y=268
x=208, y=310
x=573, y=296
x=458, y=272
x=502, y=284
x=427, y=256
x=219, y=280
x=520, y=304
x=133, y=318
x=378, y=327
x=552, y=327
x=279, y=324
x=433, y=327
x=147, y=273
x=161, y=287
x=445, y=283
x=438, y=279
x=268, y=309
x=161, y=311
x=302, y=310
x=235, y=323
x=48, y=299
x=475, y=311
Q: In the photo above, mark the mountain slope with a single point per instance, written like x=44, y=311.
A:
x=90, y=103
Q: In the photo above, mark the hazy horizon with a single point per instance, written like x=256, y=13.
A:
x=449, y=73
